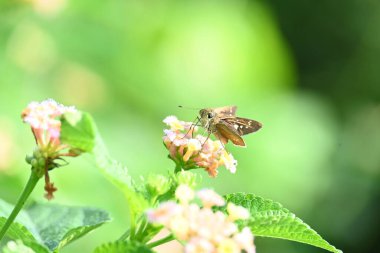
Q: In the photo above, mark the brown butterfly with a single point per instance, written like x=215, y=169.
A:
x=223, y=123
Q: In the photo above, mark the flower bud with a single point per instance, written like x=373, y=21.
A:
x=157, y=184
x=41, y=162
x=184, y=193
x=37, y=153
x=34, y=163
x=28, y=159
x=187, y=178
x=75, y=152
x=45, y=154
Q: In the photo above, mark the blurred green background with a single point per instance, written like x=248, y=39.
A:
x=308, y=70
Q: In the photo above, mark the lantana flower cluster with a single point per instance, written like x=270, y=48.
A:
x=200, y=228
x=44, y=119
x=190, y=152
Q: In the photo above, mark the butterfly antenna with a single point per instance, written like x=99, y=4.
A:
x=190, y=108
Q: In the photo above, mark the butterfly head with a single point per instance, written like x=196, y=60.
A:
x=206, y=116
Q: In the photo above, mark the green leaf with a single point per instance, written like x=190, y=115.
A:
x=52, y=226
x=19, y=247
x=20, y=232
x=150, y=231
x=123, y=247
x=78, y=130
x=58, y=225
x=16, y=231
x=270, y=219
x=118, y=175
x=23, y=229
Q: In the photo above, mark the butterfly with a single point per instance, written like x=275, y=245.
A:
x=223, y=123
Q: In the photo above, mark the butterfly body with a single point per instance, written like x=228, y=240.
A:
x=223, y=123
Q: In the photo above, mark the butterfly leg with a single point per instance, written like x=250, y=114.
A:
x=206, y=129
x=208, y=137
x=221, y=142
x=192, y=127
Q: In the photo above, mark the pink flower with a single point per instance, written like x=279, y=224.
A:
x=164, y=213
x=229, y=162
x=190, y=152
x=210, y=198
x=193, y=145
x=200, y=228
x=199, y=245
x=184, y=193
x=237, y=212
x=174, y=123
x=180, y=226
x=228, y=246
x=245, y=239
x=44, y=120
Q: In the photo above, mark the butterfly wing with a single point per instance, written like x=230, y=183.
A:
x=226, y=132
x=243, y=126
x=221, y=138
x=225, y=111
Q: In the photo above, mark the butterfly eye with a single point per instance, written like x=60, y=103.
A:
x=209, y=115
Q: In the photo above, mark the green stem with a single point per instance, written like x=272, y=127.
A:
x=125, y=235
x=141, y=229
x=178, y=168
x=161, y=241
x=132, y=231
x=33, y=179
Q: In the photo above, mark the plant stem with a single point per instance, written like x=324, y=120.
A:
x=33, y=179
x=141, y=228
x=178, y=168
x=125, y=235
x=132, y=230
x=161, y=241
